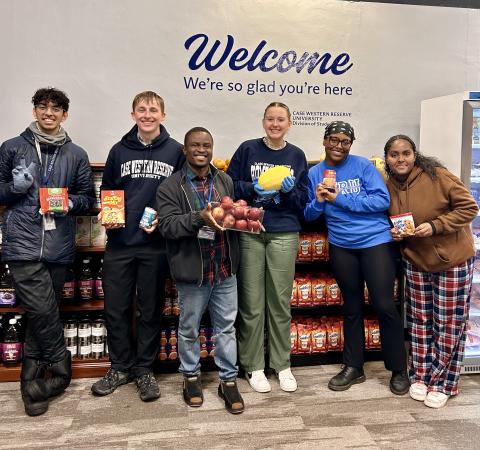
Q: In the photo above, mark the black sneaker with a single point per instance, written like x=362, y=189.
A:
x=147, y=387
x=228, y=391
x=192, y=390
x=111, y=381
x=399, y=383
x=345, y=378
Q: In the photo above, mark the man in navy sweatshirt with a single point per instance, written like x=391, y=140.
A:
x=135, y=262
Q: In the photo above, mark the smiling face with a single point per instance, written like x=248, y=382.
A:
x=276, y=123
x=337, y=147
x=400, y=158
x=148, y=115
x=198, y=150
x=49, y=117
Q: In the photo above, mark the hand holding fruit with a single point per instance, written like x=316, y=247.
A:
x=262, y=192
x=208, y=218
x=288, y=184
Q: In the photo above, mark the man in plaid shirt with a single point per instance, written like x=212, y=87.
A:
x=203, y=261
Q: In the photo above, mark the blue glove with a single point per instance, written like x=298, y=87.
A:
x=22, y=177
x=262, y=193
x=287, y=184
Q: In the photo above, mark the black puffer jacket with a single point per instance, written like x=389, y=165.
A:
x=24, y=238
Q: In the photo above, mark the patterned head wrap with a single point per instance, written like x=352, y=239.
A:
x=339, y=127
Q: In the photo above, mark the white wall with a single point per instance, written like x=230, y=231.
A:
x=104, y=52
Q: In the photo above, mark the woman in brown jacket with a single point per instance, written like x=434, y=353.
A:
x=438, y=264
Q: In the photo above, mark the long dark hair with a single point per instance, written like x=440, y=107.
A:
x=428, y=164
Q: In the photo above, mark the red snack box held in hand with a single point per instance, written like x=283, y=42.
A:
x=113, y=207
x=53, y=200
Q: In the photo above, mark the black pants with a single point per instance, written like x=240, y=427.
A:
x=377, y=267
x=126, y=271
x=39, y=289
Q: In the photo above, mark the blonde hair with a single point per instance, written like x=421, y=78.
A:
x=148, y=96
x=278, y=105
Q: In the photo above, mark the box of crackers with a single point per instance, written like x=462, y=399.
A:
x=53, y=200
x=113, y=207
x=404, y=224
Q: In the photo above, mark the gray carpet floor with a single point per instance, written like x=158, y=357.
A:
x=367, y=416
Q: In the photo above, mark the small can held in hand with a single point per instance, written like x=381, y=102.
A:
x=329, y=179
x=149, y=215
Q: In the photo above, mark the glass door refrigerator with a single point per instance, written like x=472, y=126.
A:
x=450, y=130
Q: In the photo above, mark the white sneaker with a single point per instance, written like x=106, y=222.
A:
x=436, y=399
x=258, y=381
x=418, y=391
x=288, y=383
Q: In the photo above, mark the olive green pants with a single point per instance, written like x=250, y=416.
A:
x=265, y=279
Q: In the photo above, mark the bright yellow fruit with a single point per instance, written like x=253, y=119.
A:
x=379, y=163
x=271, y=180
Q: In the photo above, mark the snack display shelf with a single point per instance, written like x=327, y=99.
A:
x=315, y=359
x=81, y=368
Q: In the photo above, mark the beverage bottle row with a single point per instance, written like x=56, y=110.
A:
x=86, y=337
x=7, y=288
x=85, y=283
x=11, y=338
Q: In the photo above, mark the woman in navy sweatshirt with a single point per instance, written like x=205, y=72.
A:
x=267, y=264
x=361, y=250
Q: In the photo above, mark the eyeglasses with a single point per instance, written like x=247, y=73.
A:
x=43, y=108
x=345, y=143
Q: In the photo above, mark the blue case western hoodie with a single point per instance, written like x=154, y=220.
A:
x=139, y=169
x=253, y=158
x=358, y=217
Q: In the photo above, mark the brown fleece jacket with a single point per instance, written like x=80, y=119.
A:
x=444, y=202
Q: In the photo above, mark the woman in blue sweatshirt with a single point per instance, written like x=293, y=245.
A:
x=361, y=250
x=267, y=264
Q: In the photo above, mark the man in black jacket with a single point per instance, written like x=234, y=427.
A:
x=39, y=247
x=203, y=261
x=135, y=262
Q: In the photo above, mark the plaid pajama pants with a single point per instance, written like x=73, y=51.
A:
x=437, y=306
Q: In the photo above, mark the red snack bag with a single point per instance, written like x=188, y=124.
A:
x=334, y=336
x=333, y=295
x=113, y=207
x=318, y=291
x=293, y=298
x=304, y=292
x=319, y=337
x=304, y=341
x=319, y=246
x=374, y=333
x=304, y=252
x=293, y=338
x=53, y=200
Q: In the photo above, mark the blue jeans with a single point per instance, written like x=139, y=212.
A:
x=221, y=300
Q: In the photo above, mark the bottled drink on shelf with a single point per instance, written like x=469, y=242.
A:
x=99, y=282
x=12, y=348
x=85, y=281
x=7, y=289
x=68, y=291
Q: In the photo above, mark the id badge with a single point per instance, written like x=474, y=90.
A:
x=206, y=233
x=49, y=222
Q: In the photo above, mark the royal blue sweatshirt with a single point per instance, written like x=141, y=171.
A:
x=253, y=158
x=139, y=169
x=358, y=217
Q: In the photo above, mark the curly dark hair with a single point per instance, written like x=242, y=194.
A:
x=428, y=164
x=50, y=94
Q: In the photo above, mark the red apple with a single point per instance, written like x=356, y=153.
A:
x=242, y=202
x=253, y=226
x=218, y=213
x=241, y=224
x=254, y=213
x=226, y=203
x=239, y=212
x=228, y=221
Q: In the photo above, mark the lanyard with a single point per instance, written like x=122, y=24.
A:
x=46, y=176
x=200, y=198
